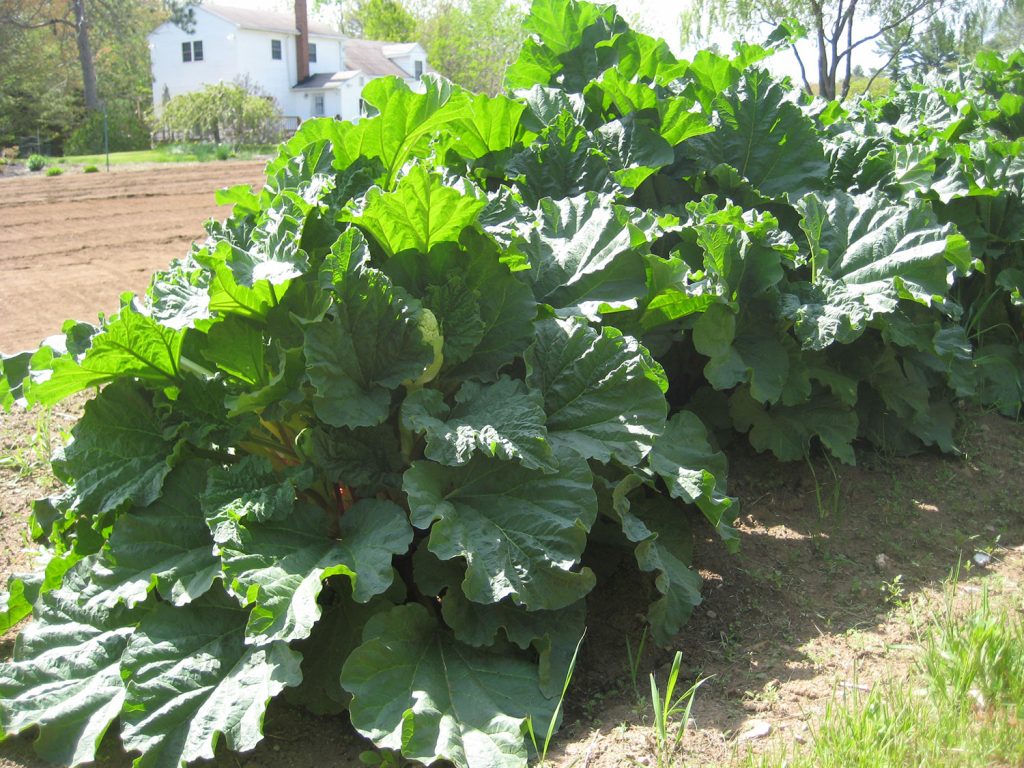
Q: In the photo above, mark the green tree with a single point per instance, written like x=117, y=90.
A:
x=837, y=28
x=77, y=20
x=472, y=42
x=39, y=93
x=1008, y=29
x=938, y=44
x=377, y=20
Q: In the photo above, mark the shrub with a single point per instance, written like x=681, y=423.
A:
x=54, y=171
x=223, y=152
x=126, y=131
x=90, y=169
x=220, y=112
x=36, y=162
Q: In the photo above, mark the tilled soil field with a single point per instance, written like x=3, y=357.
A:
x=71, y=244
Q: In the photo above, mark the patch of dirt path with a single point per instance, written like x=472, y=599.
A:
x=71, y=244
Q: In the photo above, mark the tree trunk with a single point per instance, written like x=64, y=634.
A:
x=826, y=85
x=92, y=99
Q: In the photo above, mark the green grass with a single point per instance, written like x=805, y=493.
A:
x=963, y=706
x=171, y=153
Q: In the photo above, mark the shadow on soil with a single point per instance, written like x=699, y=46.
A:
x=827, y=552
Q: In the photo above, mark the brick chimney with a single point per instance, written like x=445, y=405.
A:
x=302, y=42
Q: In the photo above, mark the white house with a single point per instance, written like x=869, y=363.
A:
x=230, y=44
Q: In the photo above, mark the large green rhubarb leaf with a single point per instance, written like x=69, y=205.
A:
x=586, y=256
x=664, y=545
x=787, y=431
x=192, y=679
x=868, y=254
x=121, y=451
x=418, y=690
x=521, y=532
x=484, y=312
x=165, y=546
x=249, y=489
x=279, y=565
x=695, y=472
x=421, y=212
x=131, y=345
x=603, y=393
x=368, y=344
x=765, y=137
x=65, y=677
x=553, y=634
x=503, y=419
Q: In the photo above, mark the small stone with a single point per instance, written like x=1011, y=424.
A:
x=982, y=558
x=711, y=614
x=883, y=562
x=756, y=729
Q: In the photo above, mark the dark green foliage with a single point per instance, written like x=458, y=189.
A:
x=384, y=406
x=126, y=131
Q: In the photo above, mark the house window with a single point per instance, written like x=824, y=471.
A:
x=312, y=53
x=192, y=50
x=275, y=49
x=418, y=68
x=362, y=108
x=318, y=105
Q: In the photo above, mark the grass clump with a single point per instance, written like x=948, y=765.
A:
x=36, y=162
x=54, y=171
x=90, y=169
x=963, y=706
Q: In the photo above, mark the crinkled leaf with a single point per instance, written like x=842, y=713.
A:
x=503, y=419
x=764, y=136
x=603, y=393
x=583, y=256
x=121, y=451
x=421, y=212
x=418, y=690
x=192, y=680
x=521, y=531
x=367, y=345
x=279, y=565
x=695, y=472
x=165, y=546
x=505, y=304
x=65, y=677
x=247, y=489
x=131, y=345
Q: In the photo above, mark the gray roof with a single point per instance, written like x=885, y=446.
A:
x=268, y=21
x=325, y=80
x=368, y=56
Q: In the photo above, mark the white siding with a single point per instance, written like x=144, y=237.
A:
x=231, y=53
x=220, y=56
x=276, y=77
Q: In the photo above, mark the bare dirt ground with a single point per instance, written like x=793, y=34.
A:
x=834, y=579
x=70, y=244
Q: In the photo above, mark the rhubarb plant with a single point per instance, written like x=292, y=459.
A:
x=352, y=449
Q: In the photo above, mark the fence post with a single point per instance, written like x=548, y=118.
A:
x=106, y=137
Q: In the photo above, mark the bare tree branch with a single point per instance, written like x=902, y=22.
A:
x=885, y=66
x=914, y=10
x=803, y=71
